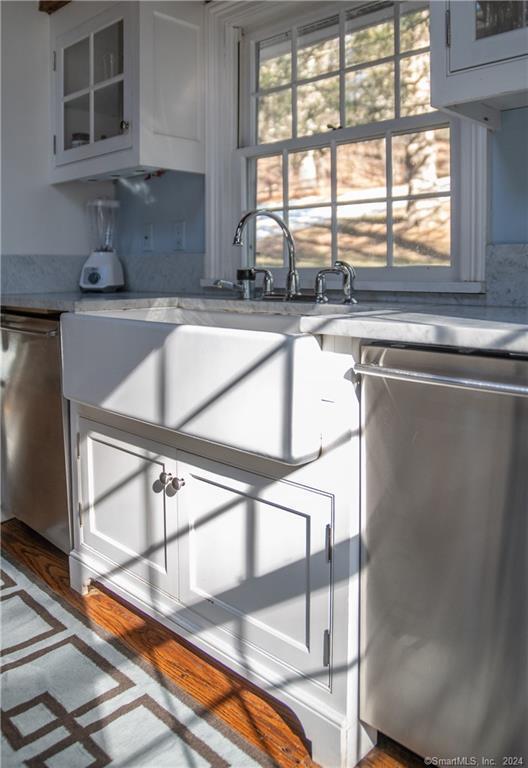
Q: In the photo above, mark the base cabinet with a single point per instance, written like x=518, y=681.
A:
x=125, y=512
x=256, y=561
x=249, y=555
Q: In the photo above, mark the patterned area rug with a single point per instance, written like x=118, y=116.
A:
x=74, y=697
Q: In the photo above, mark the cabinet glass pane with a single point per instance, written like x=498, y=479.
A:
x=494, y=18
x=77, y=122
x=108, y=52
x=76, y=67
x=108, y=111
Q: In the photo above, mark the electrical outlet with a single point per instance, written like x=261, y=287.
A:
x=178, y=235
x=148, y=237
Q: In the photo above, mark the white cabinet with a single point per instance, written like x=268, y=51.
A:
x=479, y=57
x=256, y=561
x=128, y=89
x=248, y=554
x=126, y=514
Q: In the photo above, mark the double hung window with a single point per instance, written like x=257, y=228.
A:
x=337, y=136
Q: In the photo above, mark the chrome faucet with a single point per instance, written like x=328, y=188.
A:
x=267, y=287
x=346, y=271
x=292, y=279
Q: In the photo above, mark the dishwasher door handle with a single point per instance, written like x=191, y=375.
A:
x=27, y=331
x=439, y=380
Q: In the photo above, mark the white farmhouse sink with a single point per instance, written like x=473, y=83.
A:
x=244, y=381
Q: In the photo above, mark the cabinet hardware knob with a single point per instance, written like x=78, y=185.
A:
x=178, y=483
x=124, y=125
x=165, y=478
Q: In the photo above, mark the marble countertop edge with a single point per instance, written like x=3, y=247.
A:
x=501, y=329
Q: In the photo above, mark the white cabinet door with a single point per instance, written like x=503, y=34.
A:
x=255, y=561
x=93, y=86
x=485, y=33
x=127, y=514
x=128, y=88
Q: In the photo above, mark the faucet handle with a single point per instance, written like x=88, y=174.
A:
x=348, y=267
x=349, y=275
x=268, y=280
x=227, y=284
x=320, y=287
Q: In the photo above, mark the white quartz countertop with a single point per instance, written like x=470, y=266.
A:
x=500, y=329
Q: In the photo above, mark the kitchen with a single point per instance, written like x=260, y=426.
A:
x=266, y=470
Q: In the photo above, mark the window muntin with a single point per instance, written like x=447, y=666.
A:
x=382, y=201
x=318, y=77
x=397, y=216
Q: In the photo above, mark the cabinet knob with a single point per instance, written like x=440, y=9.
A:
x=165, y=478
x=178, y=483
x=124, y=126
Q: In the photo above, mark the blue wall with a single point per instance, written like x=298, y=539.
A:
x=160, y=201
x=509, y=179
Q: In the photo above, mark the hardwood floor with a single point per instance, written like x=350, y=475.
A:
x=262, y=720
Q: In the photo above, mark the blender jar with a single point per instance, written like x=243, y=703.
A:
x=103, y=217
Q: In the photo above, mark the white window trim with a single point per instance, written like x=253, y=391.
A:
x=225, y=193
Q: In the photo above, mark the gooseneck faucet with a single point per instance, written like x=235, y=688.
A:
x=292, y=279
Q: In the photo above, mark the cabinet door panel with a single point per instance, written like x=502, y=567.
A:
x=127, y=514
x=477, y=40
x=94, y=97
x=253, y=560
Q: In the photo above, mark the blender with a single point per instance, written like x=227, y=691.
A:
x=102, y=271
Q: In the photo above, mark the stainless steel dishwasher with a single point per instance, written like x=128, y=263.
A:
x=444, y=608
x=34, y=477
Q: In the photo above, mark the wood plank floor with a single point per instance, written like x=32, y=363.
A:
x=262, y=720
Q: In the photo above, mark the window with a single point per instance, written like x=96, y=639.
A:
x=336, y=134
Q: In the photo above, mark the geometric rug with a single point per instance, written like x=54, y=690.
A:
x=73, y=696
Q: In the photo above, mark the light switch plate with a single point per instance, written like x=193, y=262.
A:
x=178, y=235
x=148, y=237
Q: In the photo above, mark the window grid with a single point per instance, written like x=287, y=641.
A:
x=286, y=206
x=386, y=129
x=342, y=72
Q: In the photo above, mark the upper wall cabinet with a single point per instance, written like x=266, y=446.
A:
x=479, y=57
x=128, y=89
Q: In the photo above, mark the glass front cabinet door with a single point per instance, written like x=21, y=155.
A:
x=479, y=57
x=485, y=32
x=93, y=85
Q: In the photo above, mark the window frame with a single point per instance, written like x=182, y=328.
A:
x=235, y=28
